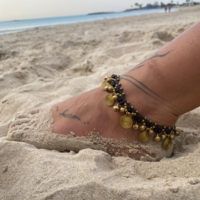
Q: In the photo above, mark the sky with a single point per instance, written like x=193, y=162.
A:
x=29, y=9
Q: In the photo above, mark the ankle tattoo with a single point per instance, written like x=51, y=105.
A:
x=112, y=84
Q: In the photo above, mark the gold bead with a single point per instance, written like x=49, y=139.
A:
x=110, y=88
x=119, y=84
x=157, y=138
x=123, y=94
x=134, y=114
x=122, y=110
x=142, y=128
x=115, y=108
x=151, y=132
x=163, y=137
x=120, y=95
x=136, y=127
x=105, y=78
x=144, y=137
x=115, y=97
x=137, y=111
x=145, y=118
x=128, y=102
x=178, y=133
x=106, y=87
x=132, y=107
x=167, y=144
x=121, y=88
x=172, y=137
x=155, y=124
x=109, y=79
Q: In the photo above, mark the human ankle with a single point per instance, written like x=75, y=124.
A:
x=148, y=106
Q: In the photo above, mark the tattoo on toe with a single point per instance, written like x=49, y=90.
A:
x=64, y=114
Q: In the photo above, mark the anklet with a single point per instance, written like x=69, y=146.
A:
x=167, y=134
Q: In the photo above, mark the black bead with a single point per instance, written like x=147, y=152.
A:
x=159, y=130
x=113, y=84
x=138, y=120
x=120, y=99
x=168, y=131
x=148, y=124
x=135, y=118
x=117, y=90
x=129, y=110
x=114, y=76
x=121, y=102
x=156, y=130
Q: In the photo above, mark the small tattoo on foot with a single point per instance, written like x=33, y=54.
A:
x=72, y=116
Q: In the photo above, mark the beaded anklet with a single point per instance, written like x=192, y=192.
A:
x=148, y=128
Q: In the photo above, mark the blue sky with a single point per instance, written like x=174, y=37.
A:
x=28, y=9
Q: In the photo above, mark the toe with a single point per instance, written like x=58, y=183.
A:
x=35, y=111
x=19, y=122
x=22, y=115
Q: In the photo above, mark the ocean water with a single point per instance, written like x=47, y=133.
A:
x=21, y=25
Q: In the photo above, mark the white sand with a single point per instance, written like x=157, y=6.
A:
x=53, y=64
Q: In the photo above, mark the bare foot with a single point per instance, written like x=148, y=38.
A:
x=88, y=113
x=95, y=125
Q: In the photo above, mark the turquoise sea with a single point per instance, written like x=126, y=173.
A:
x=21, y=25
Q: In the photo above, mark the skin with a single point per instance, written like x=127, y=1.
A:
x=162, y=87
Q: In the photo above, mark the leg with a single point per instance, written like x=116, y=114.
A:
x=155, y=87
x=170, y=77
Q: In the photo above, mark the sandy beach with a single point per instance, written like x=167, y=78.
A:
x=43, y=66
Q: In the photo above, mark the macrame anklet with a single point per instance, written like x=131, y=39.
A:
x=112, y=84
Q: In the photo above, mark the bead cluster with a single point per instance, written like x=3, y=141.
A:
x=167, y=134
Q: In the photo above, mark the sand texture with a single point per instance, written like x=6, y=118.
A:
x=42, y=66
